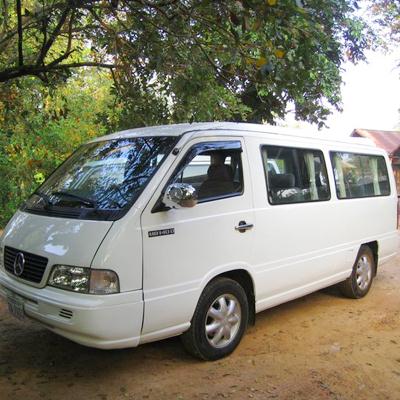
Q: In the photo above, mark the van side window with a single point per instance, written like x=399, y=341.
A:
x=360, y=175
x=295, y=175
x=214, y=171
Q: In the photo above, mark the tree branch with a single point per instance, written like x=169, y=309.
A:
x=20, y=36
x=47, y=45
x=38, y=70
x=84, y=64
x=68, y=50
x=45, y=24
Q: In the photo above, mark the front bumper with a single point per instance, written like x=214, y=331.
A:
x=106, y=322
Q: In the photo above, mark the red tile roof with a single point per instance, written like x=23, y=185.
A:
x=387, y=140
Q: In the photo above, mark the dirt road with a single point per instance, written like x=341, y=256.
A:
x=319, y=347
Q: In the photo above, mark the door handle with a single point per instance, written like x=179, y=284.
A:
x=243, y=226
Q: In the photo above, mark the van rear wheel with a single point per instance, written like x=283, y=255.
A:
x=357, y=285
x=219, y=321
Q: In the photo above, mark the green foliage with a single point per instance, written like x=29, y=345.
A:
x=386, y=16
x=243, y=59
x=40, y=127
x=236, y=60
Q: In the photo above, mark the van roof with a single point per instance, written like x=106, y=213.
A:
x=233, y=129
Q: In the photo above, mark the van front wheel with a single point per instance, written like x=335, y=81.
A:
x=219, y=321
x=357, y=285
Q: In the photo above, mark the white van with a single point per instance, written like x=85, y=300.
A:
x=193, y=229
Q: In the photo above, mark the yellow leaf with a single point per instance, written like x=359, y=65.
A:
x=250, y=61
x=39, y=177
x=260, y=62
x=271, y=2
x=279, y=53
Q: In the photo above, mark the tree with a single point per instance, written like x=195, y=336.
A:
x=386, y=14
x=190, y=59
x=36, y=39
x=40, y=126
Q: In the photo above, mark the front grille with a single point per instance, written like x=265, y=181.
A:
x=34, y=265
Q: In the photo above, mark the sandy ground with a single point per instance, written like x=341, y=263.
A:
x=321, y=346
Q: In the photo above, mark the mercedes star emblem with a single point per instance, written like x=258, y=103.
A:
x=19, y=264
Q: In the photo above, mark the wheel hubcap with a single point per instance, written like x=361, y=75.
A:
x=223, y=320
x=363, y=272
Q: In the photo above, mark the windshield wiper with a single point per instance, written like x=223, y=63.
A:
x=46, y=199
x=81, y=199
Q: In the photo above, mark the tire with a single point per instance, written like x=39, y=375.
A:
x=219, y=321
x=357, y=285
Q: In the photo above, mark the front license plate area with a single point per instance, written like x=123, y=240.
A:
x=16, y=306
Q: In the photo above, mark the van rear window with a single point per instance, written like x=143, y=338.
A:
x=360, y=175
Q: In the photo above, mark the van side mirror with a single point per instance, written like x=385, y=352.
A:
x=180, y=195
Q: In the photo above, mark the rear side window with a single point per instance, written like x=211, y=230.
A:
x=360, y=175
x=295, y=175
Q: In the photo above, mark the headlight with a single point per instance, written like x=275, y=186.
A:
x=84, y=280
x=70, y=278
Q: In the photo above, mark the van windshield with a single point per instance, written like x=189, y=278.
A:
x=101, y=179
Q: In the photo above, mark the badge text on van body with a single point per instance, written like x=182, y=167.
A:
x=162, y=232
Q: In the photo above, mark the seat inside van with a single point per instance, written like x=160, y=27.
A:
x=283, y=189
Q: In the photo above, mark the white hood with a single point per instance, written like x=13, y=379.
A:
x=60, y=240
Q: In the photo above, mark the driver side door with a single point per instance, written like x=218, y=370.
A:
x=185, y=248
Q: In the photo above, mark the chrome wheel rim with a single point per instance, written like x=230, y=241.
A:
x=223, y=320
x=363, y=272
